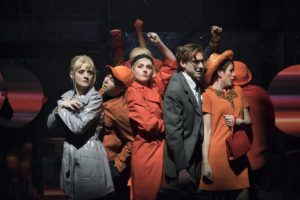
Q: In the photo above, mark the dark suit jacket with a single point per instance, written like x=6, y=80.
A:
x=183, y=124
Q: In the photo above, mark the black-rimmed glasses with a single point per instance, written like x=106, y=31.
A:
x=197, y=62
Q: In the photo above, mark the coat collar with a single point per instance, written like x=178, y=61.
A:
x=136, y=84
x=85, y=99
x=189, y=93
x=115, y=101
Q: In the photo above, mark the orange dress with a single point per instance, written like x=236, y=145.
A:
x=227, y=176
x=146, y=118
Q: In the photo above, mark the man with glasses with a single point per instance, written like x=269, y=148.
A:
x=183, y=118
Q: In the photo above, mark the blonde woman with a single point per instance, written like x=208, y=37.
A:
x=144, y=99
x=85, y=170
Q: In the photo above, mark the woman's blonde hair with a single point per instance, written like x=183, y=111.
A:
x=139, y=51
x=144, y=53
x=78, y=61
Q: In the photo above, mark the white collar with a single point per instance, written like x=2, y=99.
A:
x=190, y=81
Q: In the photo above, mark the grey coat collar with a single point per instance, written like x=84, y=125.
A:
x=189, y=93
x=85, y=99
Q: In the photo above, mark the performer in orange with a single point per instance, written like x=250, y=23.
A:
x=144, y=99
x=263, y=121
x=222, y=104
x=117, y=132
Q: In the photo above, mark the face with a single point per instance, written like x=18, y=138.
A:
x=110, y=87
x=194, y=68
x=83, y=77
x=143, y=71
x=227, y=76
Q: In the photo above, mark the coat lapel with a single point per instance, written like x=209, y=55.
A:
x=86, y=97
x=190, y=94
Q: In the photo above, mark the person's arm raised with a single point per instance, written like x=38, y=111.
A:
x=155, y=39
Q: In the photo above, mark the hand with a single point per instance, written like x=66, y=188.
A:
x=185, y=181
x=72, y=104
x=115, y=33
x=207, y=173
x=215, y=30
x=138, y=25
x=229, y=120
x=154, y=38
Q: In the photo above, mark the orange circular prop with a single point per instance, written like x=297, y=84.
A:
x=285, y=95
x=22, y=96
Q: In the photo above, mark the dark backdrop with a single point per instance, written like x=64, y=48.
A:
x=42, y=36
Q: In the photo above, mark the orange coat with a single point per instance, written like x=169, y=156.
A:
x=263, y=123
x=118, y=136
x=145, y=113
x=227, y=175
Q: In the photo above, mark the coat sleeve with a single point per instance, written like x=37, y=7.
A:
x=78, y=123
x=164, y=75
x=122, y=158
x=143, y=119
x=173, y=118
x=112, y=141
x=209, y=49
x=53, y=119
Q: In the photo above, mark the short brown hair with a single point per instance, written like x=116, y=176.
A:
x=187, y=52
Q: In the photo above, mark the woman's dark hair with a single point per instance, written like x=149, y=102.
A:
x=222, y=67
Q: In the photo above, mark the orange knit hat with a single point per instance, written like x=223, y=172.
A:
x=213, y=63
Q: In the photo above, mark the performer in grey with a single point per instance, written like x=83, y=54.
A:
x=85, y=172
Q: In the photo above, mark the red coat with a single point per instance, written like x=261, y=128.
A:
x=118, y=136
x=263, y=123
x=145, y=113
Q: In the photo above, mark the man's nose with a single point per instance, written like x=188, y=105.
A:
x=200, y=64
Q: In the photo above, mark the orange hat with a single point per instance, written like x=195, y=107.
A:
x=213, y=63
x=122, y=73
x=242, y=74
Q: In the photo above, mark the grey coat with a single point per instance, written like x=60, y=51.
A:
x=85, y=172
x=184, y=127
